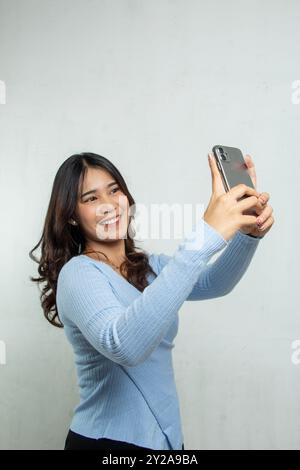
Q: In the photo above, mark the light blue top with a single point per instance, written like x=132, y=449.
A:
x=123, y=338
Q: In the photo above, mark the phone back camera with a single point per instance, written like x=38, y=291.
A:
x=223, y=154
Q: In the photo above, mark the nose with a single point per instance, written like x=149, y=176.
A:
x=107, y=208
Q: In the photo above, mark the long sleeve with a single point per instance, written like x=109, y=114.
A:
x=128, y=334
x=220, y=277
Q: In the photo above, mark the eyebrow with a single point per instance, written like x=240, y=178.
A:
x=95, y=190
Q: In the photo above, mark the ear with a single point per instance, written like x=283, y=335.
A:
x=71, y=221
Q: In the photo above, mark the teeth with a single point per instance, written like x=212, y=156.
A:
x=111, y=221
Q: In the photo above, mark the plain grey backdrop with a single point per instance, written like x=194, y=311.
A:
x=153, y=85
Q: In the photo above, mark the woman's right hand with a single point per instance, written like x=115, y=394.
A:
x=224, y=211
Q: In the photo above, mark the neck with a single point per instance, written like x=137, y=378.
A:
x=114, y=250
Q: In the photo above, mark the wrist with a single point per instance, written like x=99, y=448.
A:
x=249, y=234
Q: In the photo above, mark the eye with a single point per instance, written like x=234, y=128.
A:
x=93, y=197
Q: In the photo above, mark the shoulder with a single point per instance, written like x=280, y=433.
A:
x=158, y=261
x=80, y=283
x=78, y=267
x=69, y=267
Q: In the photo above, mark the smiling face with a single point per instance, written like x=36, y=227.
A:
x=102, y=198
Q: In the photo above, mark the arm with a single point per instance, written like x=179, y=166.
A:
x=220, y=277
x=128, y=335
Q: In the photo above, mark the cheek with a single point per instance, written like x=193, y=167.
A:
x=87, y=215
x=125, y=216
x=124, y=206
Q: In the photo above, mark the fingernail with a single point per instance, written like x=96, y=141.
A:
x=263, y=201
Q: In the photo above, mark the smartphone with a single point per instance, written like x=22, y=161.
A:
x=233, y=169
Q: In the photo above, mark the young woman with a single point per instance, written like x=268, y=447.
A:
x=119, y=304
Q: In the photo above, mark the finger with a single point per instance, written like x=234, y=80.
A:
x=243, y=190
x=265, y=215
x=248, y=159
x=217, y=182
x=248, y=220
x=267, y=225
x=256, y=210
x=247, y=203
x=251, y=169
x=264, y=198
x=260, y=208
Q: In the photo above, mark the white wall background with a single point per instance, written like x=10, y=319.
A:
x=153, y=85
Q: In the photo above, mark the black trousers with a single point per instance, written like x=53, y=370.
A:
x=76, y=441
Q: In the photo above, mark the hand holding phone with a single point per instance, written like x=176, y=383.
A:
x=226, y=210
x=232, y=168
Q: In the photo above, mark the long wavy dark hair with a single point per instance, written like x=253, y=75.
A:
x=60, y=240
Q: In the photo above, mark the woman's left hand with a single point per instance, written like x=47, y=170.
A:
x=262, y=209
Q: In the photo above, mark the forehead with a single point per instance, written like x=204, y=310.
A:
x=96, y=178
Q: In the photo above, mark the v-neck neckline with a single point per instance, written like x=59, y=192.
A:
x=112, y=269
x=108, y=265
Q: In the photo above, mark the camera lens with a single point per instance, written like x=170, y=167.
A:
x=221, y=150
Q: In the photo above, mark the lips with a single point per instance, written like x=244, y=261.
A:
x=111, y=218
